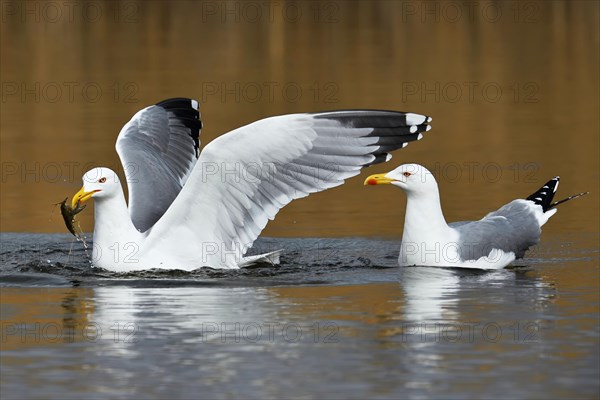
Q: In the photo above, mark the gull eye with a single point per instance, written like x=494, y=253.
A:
x=407, y=174
x=102, y=180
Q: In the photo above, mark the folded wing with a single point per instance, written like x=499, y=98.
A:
x=512, y=228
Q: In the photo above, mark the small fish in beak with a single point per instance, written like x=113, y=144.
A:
x=68, y=212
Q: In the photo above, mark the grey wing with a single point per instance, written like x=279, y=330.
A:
x=512, y=228
x=158, y=148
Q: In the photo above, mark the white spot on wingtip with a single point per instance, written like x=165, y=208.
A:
x=413, y=129
x=195, y=104
x=538, y=198
x=415, y=119
x=388, y=157
x=420, y=136
x=428, y=128
x=404, y=144
x=429, y=119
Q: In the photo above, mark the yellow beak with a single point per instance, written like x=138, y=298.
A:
x=82, y=196
x=378, y=179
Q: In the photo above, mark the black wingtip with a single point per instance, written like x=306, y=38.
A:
x=393, y=129
x=544, y=195
x=365, y=118
x=187, y=111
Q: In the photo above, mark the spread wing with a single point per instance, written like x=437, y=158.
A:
x=246, y=176
x=158, y=148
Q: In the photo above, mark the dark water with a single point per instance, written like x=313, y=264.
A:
x=326, y=323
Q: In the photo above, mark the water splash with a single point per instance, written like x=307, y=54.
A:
x=81, y=238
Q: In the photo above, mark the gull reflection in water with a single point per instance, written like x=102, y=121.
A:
x=203, y=332
x=189, y=311
x=430, y=293
x=434, y=295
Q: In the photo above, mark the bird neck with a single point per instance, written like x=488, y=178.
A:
x=112, y=223
x=424, y=219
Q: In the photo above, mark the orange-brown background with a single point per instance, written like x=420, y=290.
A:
x=390, y=55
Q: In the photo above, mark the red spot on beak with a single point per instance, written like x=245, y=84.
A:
x=372, y=181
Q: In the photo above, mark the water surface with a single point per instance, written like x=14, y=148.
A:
x=324, y=324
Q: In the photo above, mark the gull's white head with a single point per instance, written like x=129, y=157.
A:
x=97, y=183
x=412, y=178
